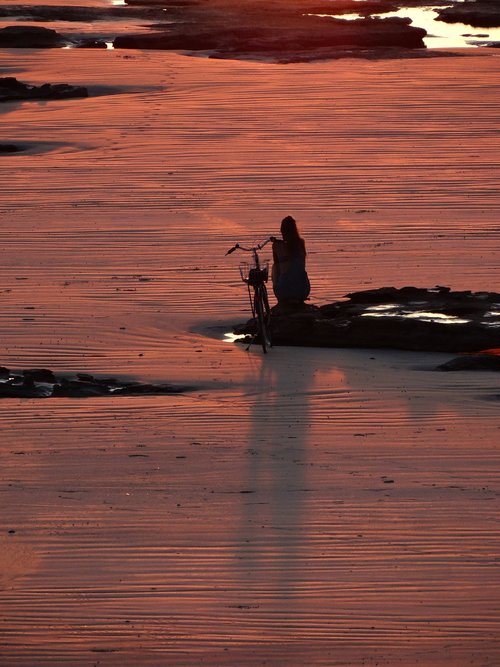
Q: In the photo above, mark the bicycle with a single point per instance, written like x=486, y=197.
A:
x=256, y=277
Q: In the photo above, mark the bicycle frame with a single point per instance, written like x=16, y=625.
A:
x=253, y=250
x=259, y=304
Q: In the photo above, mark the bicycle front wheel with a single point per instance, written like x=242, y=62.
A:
x=263, y=315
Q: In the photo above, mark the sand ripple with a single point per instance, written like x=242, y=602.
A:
x=316, y=507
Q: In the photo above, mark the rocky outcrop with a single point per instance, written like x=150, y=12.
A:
x=365, y=8
x=409, y=318
x=91, y=44
x=483, y=361
x=43, y=383
x=277, y=29
x=79, y=14
x=10, y=148
x=270, y=41
x=479, y=13
x=29, y=37
x=11, y=89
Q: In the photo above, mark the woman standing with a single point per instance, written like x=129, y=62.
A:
x=290, y=280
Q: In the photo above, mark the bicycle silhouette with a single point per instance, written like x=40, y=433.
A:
x=255, y=276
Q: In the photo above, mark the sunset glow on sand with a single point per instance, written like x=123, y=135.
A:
x=310, y=506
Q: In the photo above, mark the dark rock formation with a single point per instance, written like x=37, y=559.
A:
x=484, y=361
x=280, y=30
x=365, y=8
x=40, y=375
x=78, y=14
x=29, y=37
x=276, y=29
x=91, y=44
x=478, y=13
x=266, y=41
x=12, y=89
x=42, y=383
x=410, y=318
x=26, y=389
x=9, y=148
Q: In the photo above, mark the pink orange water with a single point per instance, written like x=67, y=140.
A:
x=319, y=507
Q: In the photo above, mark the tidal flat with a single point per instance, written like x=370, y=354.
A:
x=306, y=507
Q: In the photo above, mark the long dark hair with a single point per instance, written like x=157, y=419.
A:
x=291, y=236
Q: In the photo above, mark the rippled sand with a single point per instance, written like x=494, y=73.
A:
x=313, y=507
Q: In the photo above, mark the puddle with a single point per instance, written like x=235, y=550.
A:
x=439, y=34
x=392, y=310
x=435, y=317
x=382, y=307
x=231, y=337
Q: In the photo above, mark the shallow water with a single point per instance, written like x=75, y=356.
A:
x=308, y=507
x=440, y=35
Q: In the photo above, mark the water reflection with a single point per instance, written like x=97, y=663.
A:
x=439, y=33
x=422, y=315
x=273, y=531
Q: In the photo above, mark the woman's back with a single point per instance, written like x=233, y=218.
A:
x=290, y=280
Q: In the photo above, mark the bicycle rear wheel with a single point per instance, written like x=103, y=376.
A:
x=263, y=315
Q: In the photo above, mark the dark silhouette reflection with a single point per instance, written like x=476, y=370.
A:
x=272, y=530
x=350, y=394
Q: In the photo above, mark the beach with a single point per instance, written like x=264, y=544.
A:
x=307, y=507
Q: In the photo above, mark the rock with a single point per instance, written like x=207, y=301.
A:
x=13, y=90
x=409, y=318
x=472, y=362
x=85, y=377
x=278, y=30
x=27, y=389
x=78, y=389
x=9, y=148
x=29, y=37
x=11, y=84
x=43, y=383
x=478, y=13
x=137, y=389
x=80, y=14
x=39, y=375
x=366, y=8
x=61, y=91
x=91, y=44
x=171, y=4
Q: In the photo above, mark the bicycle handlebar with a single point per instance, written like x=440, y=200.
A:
x=259, y=246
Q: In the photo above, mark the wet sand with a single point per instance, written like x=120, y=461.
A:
x=321, y=507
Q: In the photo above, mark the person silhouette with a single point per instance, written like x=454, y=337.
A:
x=290, y=280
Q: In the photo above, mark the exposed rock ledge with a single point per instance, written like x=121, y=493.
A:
x=489, y=360
x=410, y=318
x=43, y=383
x=13, y=90
x=280, y=43
x=10, y=148
x=276, y=30
x=29, y=37
x=480, y=13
